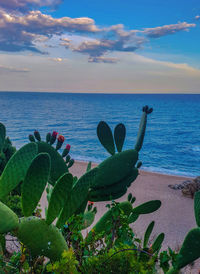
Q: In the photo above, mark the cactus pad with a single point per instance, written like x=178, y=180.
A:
x=158, y=242
x=115, y=168
x=8, y=219
x=105, y=136
x=148, y=233
x=119, y=135
x=59, y=196
x=40, y=238
x=78, y=196
x=147, y=207
x=58, y=165
x=34, y=183
x=16, y=168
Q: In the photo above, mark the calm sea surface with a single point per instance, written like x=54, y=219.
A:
x=172, y=141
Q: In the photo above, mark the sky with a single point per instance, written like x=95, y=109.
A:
x=132, y=46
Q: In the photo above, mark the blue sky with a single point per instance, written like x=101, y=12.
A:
x=100, y=46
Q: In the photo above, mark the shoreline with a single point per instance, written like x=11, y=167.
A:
x=141, y=171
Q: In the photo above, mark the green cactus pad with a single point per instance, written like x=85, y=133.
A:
x=58, y=165
x=34, y=182
x=89, y=166
x=78, y=196
x=105, y=136
x=113, y=191
x=197, y=207
x=2, y=135
x=88, y=219
x=147, y=207
x=158, y=242
x=41, y=239
x=16, y=168
x=115, y=168
x=189, y=251
x=59, y=196
x=8, y=219
x=107, y=219
x=119, y=135
x=148, y=233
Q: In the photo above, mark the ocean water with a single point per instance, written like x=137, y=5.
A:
x=172, y=141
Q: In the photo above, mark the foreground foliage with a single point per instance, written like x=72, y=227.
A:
x=58, y=243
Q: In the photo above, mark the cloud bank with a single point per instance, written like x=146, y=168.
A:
x=25, y=28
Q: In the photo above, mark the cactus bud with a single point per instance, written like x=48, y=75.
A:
x=31, y=138
x=60, y=141
x=71, y=162
x=66, y=150
x=37, y=135
x=67, y=159
x=53, y=137
x=48, y=137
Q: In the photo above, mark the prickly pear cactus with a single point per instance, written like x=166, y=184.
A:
x=59, y=165
x=110, y=179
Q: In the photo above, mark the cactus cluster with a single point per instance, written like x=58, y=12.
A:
x=39, y=163
x=111, y=178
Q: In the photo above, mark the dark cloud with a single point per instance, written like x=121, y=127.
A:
x=167, y=29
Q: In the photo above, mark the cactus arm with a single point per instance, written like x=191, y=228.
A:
x=8, y=219
x=88, y=219
x=2, y=135
x=16, y=168
x=59, y=196
x=105, y=136
x=34, y=183
x=119, y=135
x=142, y=128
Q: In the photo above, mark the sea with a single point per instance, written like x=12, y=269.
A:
x=172, y=140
